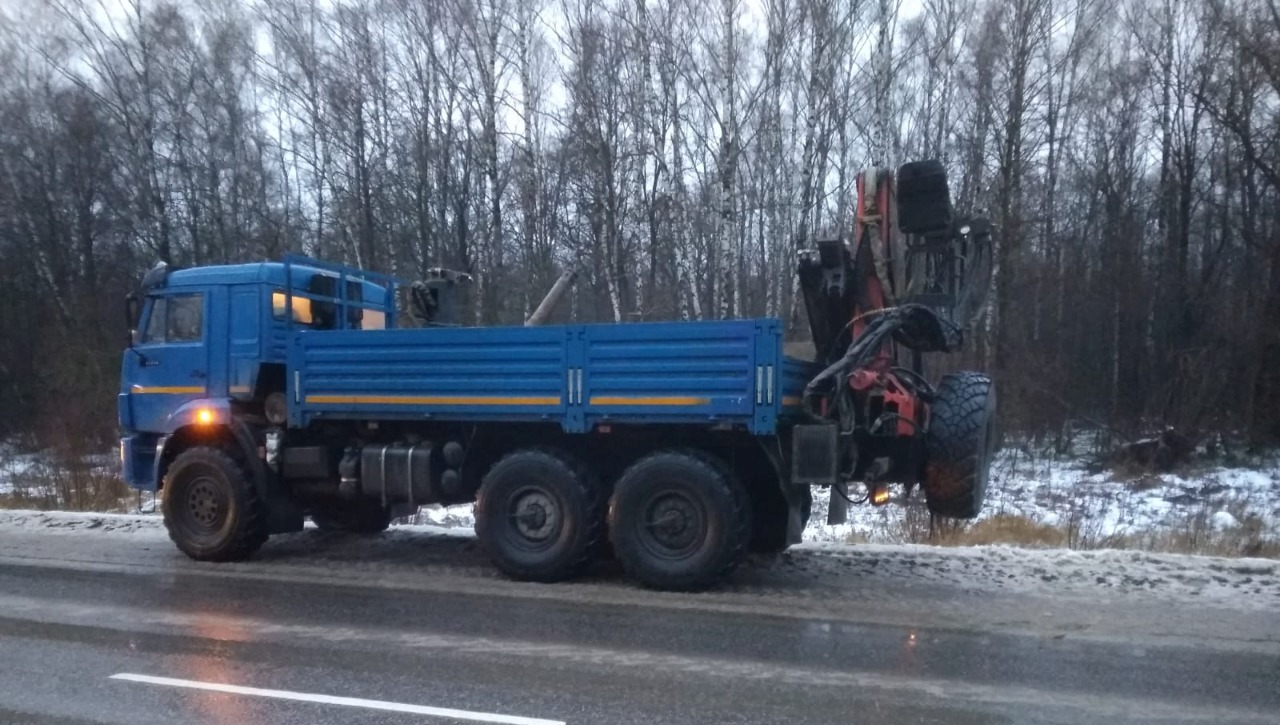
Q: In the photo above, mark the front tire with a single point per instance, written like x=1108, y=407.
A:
x=539, y=515
x=960, y=445
x=679, y=520
x=211, y=507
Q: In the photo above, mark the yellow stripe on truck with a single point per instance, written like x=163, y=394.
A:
x=639, y=400
x=172, y=389
x=790, y=400
x=430, y=400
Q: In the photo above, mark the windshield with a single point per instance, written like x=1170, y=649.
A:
x=175, y=318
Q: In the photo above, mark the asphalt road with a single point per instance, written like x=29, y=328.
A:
x=101, y=629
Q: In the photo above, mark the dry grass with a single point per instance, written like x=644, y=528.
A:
x=1002, y=529
x=1193, y=535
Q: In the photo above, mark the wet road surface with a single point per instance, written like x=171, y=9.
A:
x=131, y=632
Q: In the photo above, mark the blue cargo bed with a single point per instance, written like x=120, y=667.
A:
x=579, y=376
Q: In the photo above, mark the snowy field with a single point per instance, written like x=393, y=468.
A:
x=17, y=469
x=1094, y=507
x=41, y=479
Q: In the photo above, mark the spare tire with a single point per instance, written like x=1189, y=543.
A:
x=960, y=445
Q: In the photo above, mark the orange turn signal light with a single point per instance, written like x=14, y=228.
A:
x=880, y=496
x=204, y=416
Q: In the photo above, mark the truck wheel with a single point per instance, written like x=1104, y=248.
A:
x=679, y=521
x=959, y=445
x=211, y=507
x=355, y=517
x=539, y=515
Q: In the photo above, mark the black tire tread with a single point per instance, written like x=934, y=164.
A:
x=743, y=515
x=251, y=530
x=587, y=485
x=739, y=518
x=956, y=444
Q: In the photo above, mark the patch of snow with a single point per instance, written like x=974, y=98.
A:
x=1244, y=582
x=1059, y=491
x=36, y=473
x=15, y=467
x=460, y=516
x=76, y=522
x=433, y=529
x=1223, y=521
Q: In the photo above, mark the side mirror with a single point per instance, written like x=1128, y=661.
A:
x=131, y=318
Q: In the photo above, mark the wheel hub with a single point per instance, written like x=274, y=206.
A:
x=674, y=522
x=535, y=515
x=203, y=504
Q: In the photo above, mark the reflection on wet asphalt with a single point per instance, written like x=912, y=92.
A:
x=543, y=653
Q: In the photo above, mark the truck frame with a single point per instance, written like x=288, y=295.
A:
x=256, y=395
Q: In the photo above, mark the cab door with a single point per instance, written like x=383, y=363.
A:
x=171, y=364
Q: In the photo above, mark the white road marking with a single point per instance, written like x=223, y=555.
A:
x=334, y=700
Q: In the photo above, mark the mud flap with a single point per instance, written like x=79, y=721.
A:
x=838, y=506
x=282, y=515
x=799, y=508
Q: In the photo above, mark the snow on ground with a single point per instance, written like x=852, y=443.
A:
x=1242, y=582
x=1097, y=507
x=1026, y=482
x=1238, y=583
x=37, y=473
x=76, y=522
x=17, y=467
x=150, y=525
x=451, y=517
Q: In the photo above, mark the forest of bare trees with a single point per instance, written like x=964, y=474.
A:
x=675, y=152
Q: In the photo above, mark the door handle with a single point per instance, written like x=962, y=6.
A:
x=199, y=374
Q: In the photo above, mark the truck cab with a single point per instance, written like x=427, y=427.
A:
x=211, y=343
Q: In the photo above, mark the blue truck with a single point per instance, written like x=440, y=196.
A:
x=254, y=396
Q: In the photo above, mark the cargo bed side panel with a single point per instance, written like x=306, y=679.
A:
x=577, y=376
x=508, y=373
x=673, y=372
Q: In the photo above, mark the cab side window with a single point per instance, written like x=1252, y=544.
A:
x=176, y=318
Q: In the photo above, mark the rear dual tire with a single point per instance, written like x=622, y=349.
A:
x=540, y=515
x=679, y=520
